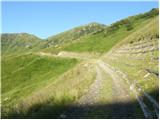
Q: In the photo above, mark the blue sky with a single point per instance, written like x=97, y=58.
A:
x=49, y=18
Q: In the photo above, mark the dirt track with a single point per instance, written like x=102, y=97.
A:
x=122, y=93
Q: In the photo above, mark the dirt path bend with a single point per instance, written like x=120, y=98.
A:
x=64, y=54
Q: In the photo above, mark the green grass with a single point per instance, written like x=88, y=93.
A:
x=24, y=74
x=93, y=37
x=43, y=87
x=75, y=33
x=60, y=92
x=97, y=43
x=136, y=69
x=18, y=42
x=100, y=42
x=134, y=66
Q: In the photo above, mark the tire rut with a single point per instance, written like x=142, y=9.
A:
x=90, y=98
x=93, y=94
x=119, y=85
x=120, y=94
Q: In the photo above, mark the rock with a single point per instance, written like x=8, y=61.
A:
x=131, y=87
x=139, y=89
x=60, y=54
x=146, y=75
x=86, y=65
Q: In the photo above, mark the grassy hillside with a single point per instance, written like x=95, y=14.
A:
x=14, y=43
x=72, y=35
x=21, y=75
x=75, y=33
x=45, y=85
x=23, y=42
x=92, y=37
x=140, y=51
x=37, y=81
x=137, y=56
x=103, y=41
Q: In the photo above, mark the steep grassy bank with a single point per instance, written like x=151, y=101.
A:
x=137, y=57
x=24, y=74
x=18, y=43
x=27, y=102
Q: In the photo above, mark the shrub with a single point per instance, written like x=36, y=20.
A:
x=131, y=42
x=157, y=35
x=129, y=27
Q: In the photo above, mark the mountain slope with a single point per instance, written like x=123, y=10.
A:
x=18, y=42
x=79, y=39
x=24, y=74
x=76, y=33
x=121, y=83
x=105, y=40
x=136, y=60
x=23, y=42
